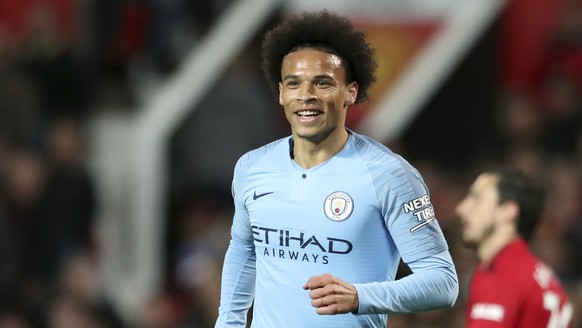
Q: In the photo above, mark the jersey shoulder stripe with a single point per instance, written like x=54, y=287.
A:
x=383, y=162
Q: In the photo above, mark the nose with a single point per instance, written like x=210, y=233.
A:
x=459, y=209
x=306, y=93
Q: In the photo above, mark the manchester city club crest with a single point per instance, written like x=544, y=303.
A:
x=338, y=206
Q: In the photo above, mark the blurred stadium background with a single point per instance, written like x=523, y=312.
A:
x=121, y=121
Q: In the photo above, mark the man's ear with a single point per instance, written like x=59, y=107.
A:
x=352, y=94
x=510, y=211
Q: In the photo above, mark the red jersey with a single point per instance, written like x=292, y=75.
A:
x=517, y=290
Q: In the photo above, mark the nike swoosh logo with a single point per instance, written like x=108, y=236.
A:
x=255, y=196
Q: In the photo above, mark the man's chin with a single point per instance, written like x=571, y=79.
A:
x=471, y=244
x=312, y=136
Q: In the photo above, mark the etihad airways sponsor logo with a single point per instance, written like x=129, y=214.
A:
x=286, y=244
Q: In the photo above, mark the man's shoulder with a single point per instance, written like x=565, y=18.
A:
x=273, y=149
x=515, y=259
x=523, y=267
x=381, y=159
x=265, y=150
x=365, y=144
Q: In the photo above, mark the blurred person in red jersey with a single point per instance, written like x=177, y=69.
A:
x=511, y=287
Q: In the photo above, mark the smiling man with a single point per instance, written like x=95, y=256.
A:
x=323, y=217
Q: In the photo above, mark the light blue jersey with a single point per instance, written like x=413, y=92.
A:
x=353, y=216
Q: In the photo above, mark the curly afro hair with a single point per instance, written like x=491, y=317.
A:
x=326, y=32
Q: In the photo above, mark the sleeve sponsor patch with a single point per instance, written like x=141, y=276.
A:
x=422, y=210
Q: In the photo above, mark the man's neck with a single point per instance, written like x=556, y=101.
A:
x=494, y=244
x=309, y=154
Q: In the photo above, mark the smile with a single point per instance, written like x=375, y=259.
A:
x=307, y=113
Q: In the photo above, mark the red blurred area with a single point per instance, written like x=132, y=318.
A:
x=527, y=27
x=15, y=16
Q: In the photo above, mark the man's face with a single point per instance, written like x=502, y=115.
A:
x=314, y=93
x=479, y=210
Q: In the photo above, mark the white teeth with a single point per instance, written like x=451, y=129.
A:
x=307, y=113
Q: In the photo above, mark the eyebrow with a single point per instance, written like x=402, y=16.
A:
x=287, y=77
x=317, y=77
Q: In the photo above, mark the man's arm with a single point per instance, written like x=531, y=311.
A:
x=239, y=270
x=238, y=285
x=432, y=285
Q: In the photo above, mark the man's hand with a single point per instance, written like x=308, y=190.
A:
x=331, y=295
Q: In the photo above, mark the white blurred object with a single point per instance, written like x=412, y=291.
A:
x=463, y=25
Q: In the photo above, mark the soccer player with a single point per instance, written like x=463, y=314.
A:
x=510, y=287
x=323, y=217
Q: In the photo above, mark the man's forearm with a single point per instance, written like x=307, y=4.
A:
x=432, y=285
x=238, y=286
